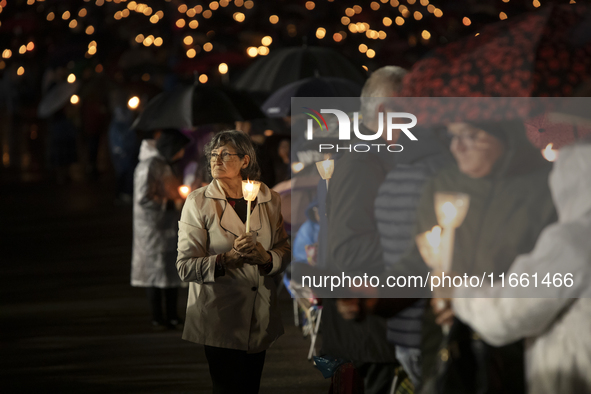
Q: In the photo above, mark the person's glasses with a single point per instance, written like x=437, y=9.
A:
x=468, y=138
x=224, y=156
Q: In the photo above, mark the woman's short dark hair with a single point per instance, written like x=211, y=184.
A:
x=244, y=147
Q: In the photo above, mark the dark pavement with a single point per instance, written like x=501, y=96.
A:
x=71, y=323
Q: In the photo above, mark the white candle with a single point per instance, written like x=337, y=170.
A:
x=250, y=190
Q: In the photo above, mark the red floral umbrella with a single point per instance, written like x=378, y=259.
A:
x=541, y=131
x=534, y=55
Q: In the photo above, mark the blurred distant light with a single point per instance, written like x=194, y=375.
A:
x=30, y=2
x=208, y=46
x=22, y=49
x=411, y=2
x=273, y=19
x=191, y=12
x=203, y=78
x=188, y=40
x=337, y=37
x=292, y=30
x=357, y=9
x=148, y=41
x=405, y=13
x=214, y=5
x=466, y=21
x=154, y=19
x=268, y=133
x=191, y=53
x=345, y=20
x=139, y=38
x=238, y=3
x=91, y=50
x=2, y=65
x=117, y=15
x=71, y=78
x=180, y=23
x=223, y=68
x=74, y=99
x=100, y=2
x=375, y=6
x=263, y=51
x=505, y=1
x=360, y=27
x=193, y=24
x=182, y=8
x=387, y=21
x=394, y=3
x=502, y=16
x=352, y=28
x=158, y=41
x=132, y=5
x=349, y=12
x=399, y=20
x=431, y=8
x=476, y=35
x=133, y=102
x=418, y=16
x=320, y=33
x=224, y=3
x=6, y=54
x=148, y=11
x=362, y=48
x=140, y=8
x=90, y=30
x=145, y=77
x=50, y=16
x=82, y=13
x=297, y=167
x=438, y=13
x=238, y=17
x=30, y=46
x=207, y=14
x=266, y=41
x=20, y=71
x=125, y=13
x=92, y=44
x=310, y=5
x=412, y=41
x=99, y=68
x=252, y=51
x=426, y=35
x=248, y=4
x=198, y=9
x=370, y=53
x=159, y=14
x=365, y=68
x=382, y=35
x=424, y=3
x=66, y=15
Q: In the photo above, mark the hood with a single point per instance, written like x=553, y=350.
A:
x=148, y=150
x=521, y=157
x=570, y=182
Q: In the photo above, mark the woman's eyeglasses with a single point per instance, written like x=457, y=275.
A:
x=224, y=156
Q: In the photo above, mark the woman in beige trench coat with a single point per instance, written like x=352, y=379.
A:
x=232, y=308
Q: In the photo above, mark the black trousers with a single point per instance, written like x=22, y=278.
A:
x=156, y=296
x=234, y=371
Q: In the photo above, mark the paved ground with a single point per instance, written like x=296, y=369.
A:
x=70, y=322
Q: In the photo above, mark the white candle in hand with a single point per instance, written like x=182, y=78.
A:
x=250, y=190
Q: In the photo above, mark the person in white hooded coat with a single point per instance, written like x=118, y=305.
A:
x=557, y=326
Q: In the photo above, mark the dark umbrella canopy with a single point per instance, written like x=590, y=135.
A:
x=538, y=54
x=289, y=65
x=56, y=98
x=279, y=104
x=193, y=106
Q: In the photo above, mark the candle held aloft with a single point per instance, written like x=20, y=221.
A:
x=325, y=169
x=250, y=190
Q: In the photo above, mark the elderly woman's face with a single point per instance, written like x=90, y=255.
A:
x=475, y=151
x=226, y=164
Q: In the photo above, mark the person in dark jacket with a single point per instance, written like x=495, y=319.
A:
x=510, y=203
x=353, y=242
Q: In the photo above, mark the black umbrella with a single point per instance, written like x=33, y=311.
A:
x=289, y=65
x=193, y=106
x=56, y=98
x=279, y=104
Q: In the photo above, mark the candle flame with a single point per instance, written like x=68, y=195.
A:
x=549, y=153
x=326, y=165
x=449, y=210
x=184, y=191
x=249, y=185
x=434, y=237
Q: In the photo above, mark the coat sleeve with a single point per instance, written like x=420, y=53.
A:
x=193, y=261
x=281, y=250
x=503, y=314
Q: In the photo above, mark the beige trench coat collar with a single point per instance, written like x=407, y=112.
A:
x=230, y=220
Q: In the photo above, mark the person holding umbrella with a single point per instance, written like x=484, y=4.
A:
x=156, y=205
x=232, y=308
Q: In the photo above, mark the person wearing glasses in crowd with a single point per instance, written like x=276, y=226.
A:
x=232, y=308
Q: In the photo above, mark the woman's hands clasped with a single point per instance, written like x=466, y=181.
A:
x=246, y=250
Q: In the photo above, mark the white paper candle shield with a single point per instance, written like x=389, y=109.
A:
x=250, y=190
x=325, y=169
